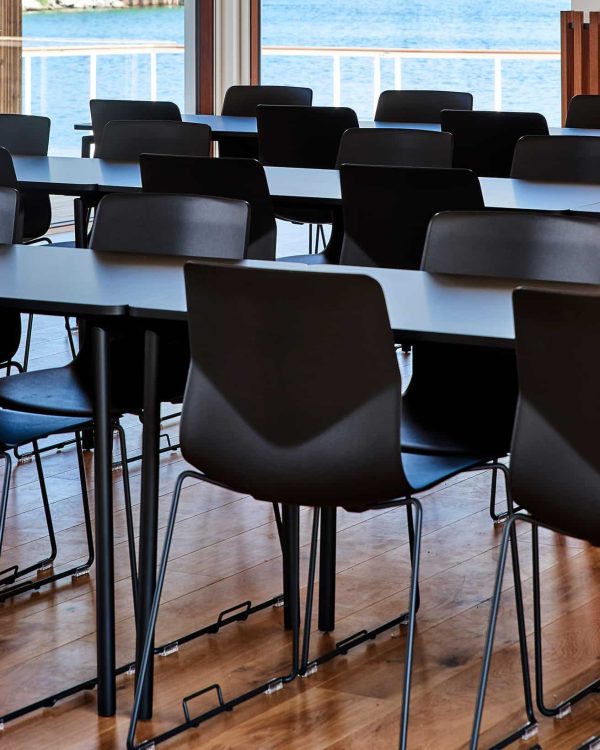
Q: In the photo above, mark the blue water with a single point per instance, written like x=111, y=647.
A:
x=61, y=85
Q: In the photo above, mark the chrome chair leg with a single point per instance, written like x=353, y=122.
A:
x=529, y=729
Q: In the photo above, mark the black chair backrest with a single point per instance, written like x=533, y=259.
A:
x=9, y=215
x=535, y=245
x=485, y=141
x=26, y=135
x=171, y=225
x=242, y=101
x=105, y=110
x=10, y=320
x=241, y=179
x=387, y=210
x=555, y=466
x=419, y=106
x=125, y=140
x=312, y=424
x=395, y=148
x=557, y=157
x=583, y=111
x=291, y=136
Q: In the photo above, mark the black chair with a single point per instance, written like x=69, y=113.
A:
x=146, y=224
x=315, y=425
x=8, y=177
x=125, y=140
x=555, y=469
x=418, y=105
x=371, y=146
x=485, y=141
x=395, y=148
x=104, y=111
x=242, y=101
x=557, y=157
x=150, y=224
x=387, y=210
x=477, y=394
x=27, y=135
x=241, y=179
x=16, y=430
x=10, y=320
x=292, y=136
x=532, y=245
x=583, y=111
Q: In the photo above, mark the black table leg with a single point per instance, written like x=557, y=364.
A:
x=80, y=217
x=105, y=573
x=291, y=535
x=148, y=507
x=327, y=570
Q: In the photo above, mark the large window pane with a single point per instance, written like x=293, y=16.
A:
x=70, y=56
x=360, y=38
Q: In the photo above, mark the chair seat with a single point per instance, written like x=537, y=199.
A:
x=58, y=390
x=312, y=259
x=447, y=436
x=19, y=428
x=424, y=471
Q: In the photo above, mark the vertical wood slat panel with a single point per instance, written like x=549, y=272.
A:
x=255, y=41
x=11, y=25
x=205, y=56
x=580, y=55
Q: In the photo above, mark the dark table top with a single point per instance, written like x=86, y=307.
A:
x=421, y=306
x=76, y=176
x=246, y=126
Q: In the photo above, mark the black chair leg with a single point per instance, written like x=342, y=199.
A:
x=86, y=508
x=37, y=583
x=129, y=519
x=413, y=603
x=310, y=239
x=563, y=708
x=412, y=541
x=70, y=337
x=279, y=524
x=310, y=592
x=4, y=496
x=529, y=729
x=292, y=545
x=28, y=342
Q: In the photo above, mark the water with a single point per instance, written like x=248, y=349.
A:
x=60, y=86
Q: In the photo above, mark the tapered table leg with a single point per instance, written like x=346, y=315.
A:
x=291, y=521
x=327, y=570
x=148, y=506
x=105, y=573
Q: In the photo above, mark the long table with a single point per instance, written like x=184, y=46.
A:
x=65, y=175
x=245, y=127
x=150, y=288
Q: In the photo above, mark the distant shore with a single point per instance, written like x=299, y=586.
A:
x=67, y=5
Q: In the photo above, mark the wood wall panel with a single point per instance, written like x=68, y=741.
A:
x=580, y=55
x=11, y=26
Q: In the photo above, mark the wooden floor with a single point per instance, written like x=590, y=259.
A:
x=226, y=551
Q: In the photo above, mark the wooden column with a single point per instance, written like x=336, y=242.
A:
x=11, y=30
x=206, y=50
x=580, y=55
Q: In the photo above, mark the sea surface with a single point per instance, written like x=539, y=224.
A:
x=61, y=85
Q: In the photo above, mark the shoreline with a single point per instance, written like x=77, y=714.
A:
x=44, y=6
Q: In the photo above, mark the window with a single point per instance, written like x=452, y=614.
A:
x=348, y=51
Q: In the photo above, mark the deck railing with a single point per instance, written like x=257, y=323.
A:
x=377, y=54
x=94, y=50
